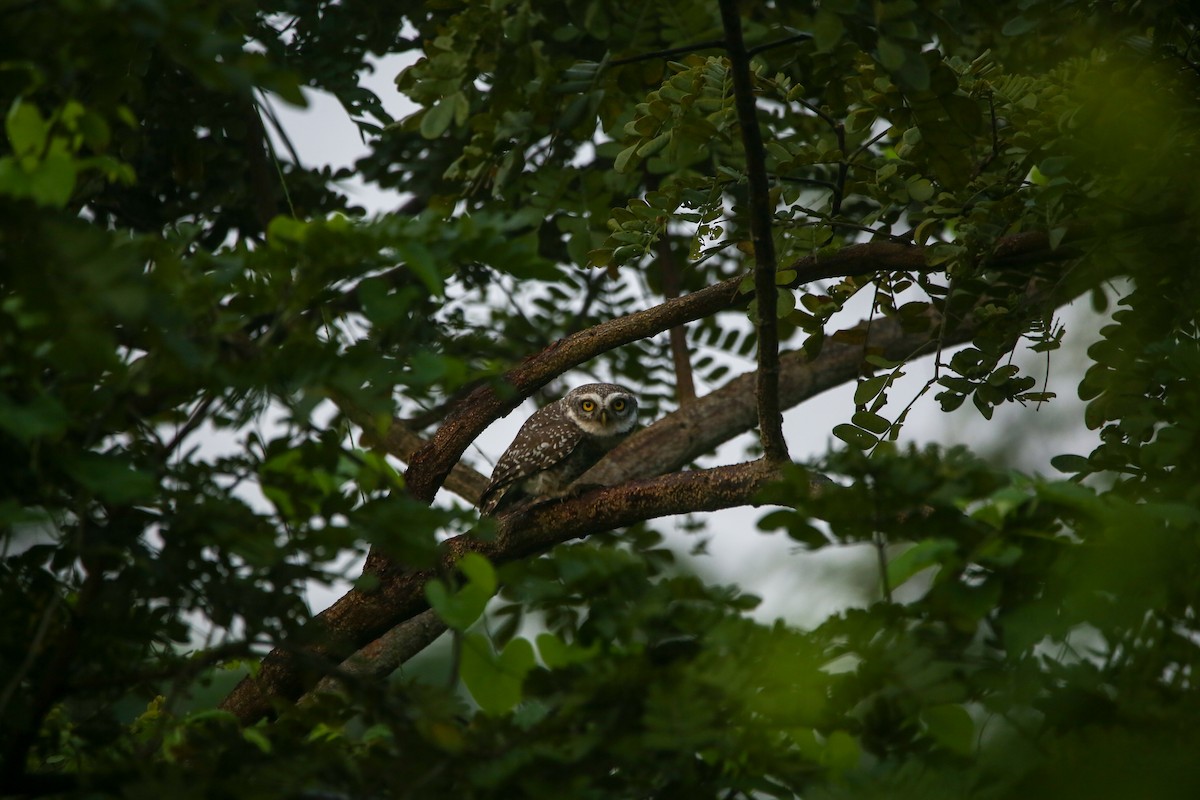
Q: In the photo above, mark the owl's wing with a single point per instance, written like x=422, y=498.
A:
x=544, y=440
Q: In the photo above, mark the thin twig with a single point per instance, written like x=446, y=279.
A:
x=32, y=651
x=862, y=147
x=668, y=53
x=770, y=418
x=590, y=293
x=830, y=185
x=707, y=45
x=685, y=384
x=828, y=120
x=194, y=420
x=880, y=543
x=762, y=48
x=843, y=167
x=854, y=226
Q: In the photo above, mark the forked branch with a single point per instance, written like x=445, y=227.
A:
x=484, y=405
x=361, y=617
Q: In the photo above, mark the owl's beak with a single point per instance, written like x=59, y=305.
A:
x=604, y=416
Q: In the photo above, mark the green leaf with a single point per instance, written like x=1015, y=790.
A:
x=919, y=189
x=1071, y=464
x=779, y=518
x=951, y=726
x=1054, y=165
x=556, y=653
x=437, y=119
x=1056, y=236
x=256, y=737
x=827, y=30
x=112, y=478
x=855, y=437
x=925, y=229
x=879, y=361
x=842, y=752
x=891, y=55
x=654, y=145
x=460, y=609
x=45, y=417
x=983, y=406
x=868, y=389
x=282, y=229
x=14, y=181
x=421, y=261
x=785, y=303
x=26, y=129
x=441, y=600
x=1072, y=495
x=871, y=422
x=52, y=182
x=479, y=572
x=495, y=681
x=621, y=164
x=920, y=556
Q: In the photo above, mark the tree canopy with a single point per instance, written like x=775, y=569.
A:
x=220, y=380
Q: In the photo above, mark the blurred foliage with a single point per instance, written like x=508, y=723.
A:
x=170, y=277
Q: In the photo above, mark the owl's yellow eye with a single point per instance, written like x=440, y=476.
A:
x=618, y=405
x=588, y=406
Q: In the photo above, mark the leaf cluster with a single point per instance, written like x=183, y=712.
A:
x=205, y=349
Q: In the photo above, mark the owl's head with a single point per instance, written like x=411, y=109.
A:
x=602, y=409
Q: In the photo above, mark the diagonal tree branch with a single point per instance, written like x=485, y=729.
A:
x=466, y=420
x=401, y=441
x=670, y=443
x=360, y=617
x=688, y=433
x=384, y=656
x=364, y=616
x=770, y=417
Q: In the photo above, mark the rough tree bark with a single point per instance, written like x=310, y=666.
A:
x=467, y=419
x=361, y=617
x=286, y=674
x=664, y=446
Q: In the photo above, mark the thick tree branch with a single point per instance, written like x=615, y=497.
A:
x=384, y=656
x=688, y=433
x=696, y=428
x=484, y=405
x=466, y=420
x=770, y=417
x=362, y=616
x=359, y=618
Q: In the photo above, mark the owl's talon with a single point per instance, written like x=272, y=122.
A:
x=580, y=489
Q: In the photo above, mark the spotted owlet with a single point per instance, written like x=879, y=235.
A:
x=559, y=443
